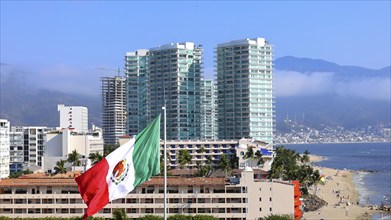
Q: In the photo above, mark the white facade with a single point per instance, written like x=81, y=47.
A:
x=73, y=117
x=16, y=149
x=4, y=148
x=33, y=146
x=62, y=142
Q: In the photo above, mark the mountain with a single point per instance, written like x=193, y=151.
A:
x=347, y=104
x=331, y=94
x=307, y=65
x=24, y=104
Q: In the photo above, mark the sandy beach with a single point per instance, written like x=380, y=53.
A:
x=340, y=194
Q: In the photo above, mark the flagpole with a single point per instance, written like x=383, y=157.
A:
x=165, y=165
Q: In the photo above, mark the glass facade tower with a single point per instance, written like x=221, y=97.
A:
x=172, y=77
x=245, y=90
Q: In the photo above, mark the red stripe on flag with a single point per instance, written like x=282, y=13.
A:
x=93, y=187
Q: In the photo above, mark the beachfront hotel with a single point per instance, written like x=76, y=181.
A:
x=73, y=117
x=40, y=195
x=245, y=90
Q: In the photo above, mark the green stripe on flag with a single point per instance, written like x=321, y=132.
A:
x=146, y=159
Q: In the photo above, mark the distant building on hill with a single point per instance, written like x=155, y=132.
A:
x=241, y=197
x=4, y=148
x=73, y=117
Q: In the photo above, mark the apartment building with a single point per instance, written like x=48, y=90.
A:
x=16, y=149
x=73, y=117
x=113, y=92
x=62, y=142
x=237, y=198
x=168, y=75
x=34, y=144
x=208, y=112
x=4, y=148
x=136, y=67
x=245, y=90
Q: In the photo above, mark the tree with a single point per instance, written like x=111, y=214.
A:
x=201, y=150
x=225, y=165
x=184, y=157
x=162, y=162
x=19, y=173
x=305, y=157
x=74, y=158
x=119, y=214
x=234, y=160
x=249, y=153
x=95, y=157
x=277, y=217
x=60, y=167
x=258, y=155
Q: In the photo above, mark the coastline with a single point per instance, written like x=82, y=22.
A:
x=340, y=194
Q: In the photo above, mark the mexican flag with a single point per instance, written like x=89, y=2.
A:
x=121, y=171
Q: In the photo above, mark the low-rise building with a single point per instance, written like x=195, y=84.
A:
x=236, y=198
x=62, y=142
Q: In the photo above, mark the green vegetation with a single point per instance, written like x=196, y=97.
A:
x=60, y=167
x=119, y=214
x=20, y=173
x=224, y=165
x=289, y=165
x=95, y=157
x=277, y=217
x=184, y=157
x=74, y=158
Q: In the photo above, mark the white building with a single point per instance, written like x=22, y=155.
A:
x=16, y=149
x=4, y=148
x=245, y=90
x=34, y=141
x=239, y=198
x=60, y=143
x=73, y=117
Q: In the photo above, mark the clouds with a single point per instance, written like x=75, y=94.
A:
x=60, y=77
x=290, y=83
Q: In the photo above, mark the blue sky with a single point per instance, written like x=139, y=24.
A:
x=73, y=38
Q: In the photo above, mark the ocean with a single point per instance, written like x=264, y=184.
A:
x=374, y=186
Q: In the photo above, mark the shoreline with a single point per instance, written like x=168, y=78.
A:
x=340, y=193
x=363, y=142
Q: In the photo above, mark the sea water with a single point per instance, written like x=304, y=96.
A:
x=372, y=161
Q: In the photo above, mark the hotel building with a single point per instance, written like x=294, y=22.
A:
x=237, y=198
x=73, y=117
x=113, y=93
x=245, y=90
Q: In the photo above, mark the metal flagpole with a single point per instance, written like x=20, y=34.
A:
x=165, y=165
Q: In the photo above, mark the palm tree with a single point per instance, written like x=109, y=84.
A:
x=184, y=157
x=249, y=153
x=201, y=150
x=95, y=157
x=225, y=165
x=305, y=158
x=119, y=214
x=162, y=162
x=258, y=155
x=74, y=158
x=60, y=167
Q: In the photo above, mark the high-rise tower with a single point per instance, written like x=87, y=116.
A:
x=172, y=78
x=245, y=90
x=73, y=117
x=4, y=148
x=113, y=109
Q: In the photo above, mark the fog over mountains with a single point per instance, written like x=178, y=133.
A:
x=313, y=91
